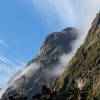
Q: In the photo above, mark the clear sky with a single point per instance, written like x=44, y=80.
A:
x=24, y=24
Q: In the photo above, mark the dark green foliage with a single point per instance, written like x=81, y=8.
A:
x=45, y=90
x=37, y=96
x=15, y=97
x=70, y=94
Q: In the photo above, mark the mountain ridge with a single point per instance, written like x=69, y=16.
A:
x=55, y=45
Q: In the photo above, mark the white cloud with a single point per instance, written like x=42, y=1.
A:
x=6, y=61
x=3, y=43
x=8, y=68
x=61, y=10
x=77, y=13
x=28, y=70
x=92, y=4
x=60, y=67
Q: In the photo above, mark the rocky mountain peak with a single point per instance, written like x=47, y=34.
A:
x=59, y=36
x=55, y=45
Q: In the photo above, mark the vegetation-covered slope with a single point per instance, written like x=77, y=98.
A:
x=81, y=78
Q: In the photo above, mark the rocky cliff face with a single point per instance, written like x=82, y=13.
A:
x=39, y=70
x=81, y=78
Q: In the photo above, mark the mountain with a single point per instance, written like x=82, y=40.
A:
x=42, y=69
x=81, y=78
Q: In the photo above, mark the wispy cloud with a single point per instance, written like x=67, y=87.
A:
x=59, y=10
x=10, y=64
x=77, y=13
x=3, y=43
x=11, y=71
x=6, y=61
x=8, y=68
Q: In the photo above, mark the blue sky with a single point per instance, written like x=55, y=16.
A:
x=24, y=24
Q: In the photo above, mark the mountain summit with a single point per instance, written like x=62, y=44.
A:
x=42, y=69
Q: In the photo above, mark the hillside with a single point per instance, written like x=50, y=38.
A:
x=81, y=78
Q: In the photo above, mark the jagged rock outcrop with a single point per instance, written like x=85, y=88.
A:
x=54, y=46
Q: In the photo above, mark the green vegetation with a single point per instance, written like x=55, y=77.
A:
x=85, y=65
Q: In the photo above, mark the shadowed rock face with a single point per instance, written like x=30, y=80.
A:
x=54, y=46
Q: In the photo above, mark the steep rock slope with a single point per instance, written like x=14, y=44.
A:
x=81, y=78
x=54, y=46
